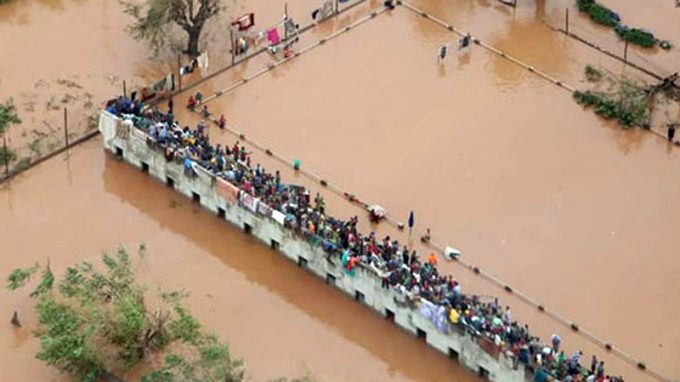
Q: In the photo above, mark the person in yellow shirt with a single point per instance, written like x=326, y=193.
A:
x=453, y=316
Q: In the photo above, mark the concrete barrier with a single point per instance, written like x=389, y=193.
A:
x=365, y=286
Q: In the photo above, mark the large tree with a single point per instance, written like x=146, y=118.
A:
x=154, y=17
x=99, y=323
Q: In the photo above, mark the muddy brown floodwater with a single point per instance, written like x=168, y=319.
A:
x=499, y=163
x=281, y=319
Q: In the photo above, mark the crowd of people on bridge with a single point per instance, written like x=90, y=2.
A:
x=399, y=267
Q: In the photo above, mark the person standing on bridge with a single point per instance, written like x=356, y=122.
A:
x=593, y=365
x=600, y=370
x=556, y=340
x=507, y=316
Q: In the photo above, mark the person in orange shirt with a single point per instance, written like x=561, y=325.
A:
x=432, y=259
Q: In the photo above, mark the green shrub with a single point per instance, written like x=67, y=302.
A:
x=599, y=13
x=7, y=156
x=592, y=74
x=605, y=16
x=637, y=36
x=630, y=109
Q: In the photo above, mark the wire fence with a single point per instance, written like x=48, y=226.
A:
x=662, y=106
x=56, y=134
x=609, y=43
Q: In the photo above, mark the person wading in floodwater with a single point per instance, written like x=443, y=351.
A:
x=671, y=132
x=441, y=55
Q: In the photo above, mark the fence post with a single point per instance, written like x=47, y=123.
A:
x=566, y=23
x=285, y=18
x=4, y=145
x=124, y=89
x=179, y=71
x=66, y=126
x=625, y=52
x=233, y=45
x=337, y=7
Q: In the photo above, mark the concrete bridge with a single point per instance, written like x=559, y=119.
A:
x=476, y=353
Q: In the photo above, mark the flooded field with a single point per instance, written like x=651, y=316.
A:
x=495, y=160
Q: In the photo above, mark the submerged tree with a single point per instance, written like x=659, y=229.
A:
x=618, y=98
x=8, y=117
x=153, y=19
x=95, y=324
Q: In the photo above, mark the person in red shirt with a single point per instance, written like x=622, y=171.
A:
x=191, y=103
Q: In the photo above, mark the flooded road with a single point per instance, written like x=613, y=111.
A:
x=496, y=161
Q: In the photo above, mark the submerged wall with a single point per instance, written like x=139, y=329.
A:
x=365, y=286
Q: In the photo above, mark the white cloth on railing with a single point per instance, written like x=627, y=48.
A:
x=264, y=209
x=202, y=172
x=279, y=217
x=249, y=201
x=435, y=314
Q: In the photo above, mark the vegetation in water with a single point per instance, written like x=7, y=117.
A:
x=8, y=117
x=629, y=106
x=637, y=36
x=97, y=322
x=593, y=74
x=605, y=16
x=626, y=101
x=599, y=13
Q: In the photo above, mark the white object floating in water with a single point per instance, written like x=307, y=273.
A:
x=377, y=211
x=451, y=253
